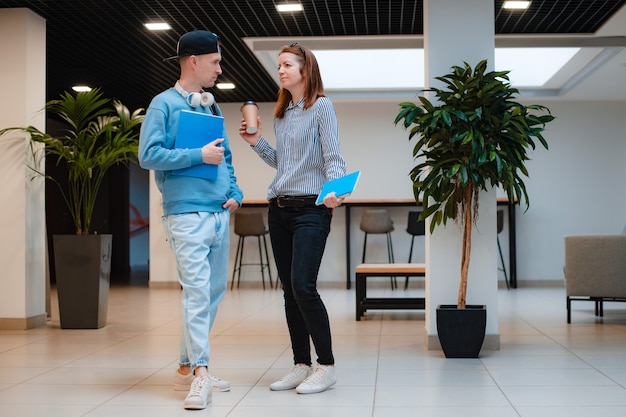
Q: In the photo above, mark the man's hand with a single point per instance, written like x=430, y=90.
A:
x=213, y=153
x=231, y=204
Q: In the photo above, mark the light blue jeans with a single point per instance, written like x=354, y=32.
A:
x=200, y=243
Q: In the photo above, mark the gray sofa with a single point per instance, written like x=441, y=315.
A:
x=595, y=270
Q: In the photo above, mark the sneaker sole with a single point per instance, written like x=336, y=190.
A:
x=287, y=388
x=317, y=391
x=198, y=406
x=195, y=406
x=178, y=387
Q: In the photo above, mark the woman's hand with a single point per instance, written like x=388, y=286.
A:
x=253, y=138
x=332, y=201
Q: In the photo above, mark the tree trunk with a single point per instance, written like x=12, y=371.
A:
x=467, y=243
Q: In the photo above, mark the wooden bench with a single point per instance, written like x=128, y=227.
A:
x=363, y=271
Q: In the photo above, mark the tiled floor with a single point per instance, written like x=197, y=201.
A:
x=544, y=368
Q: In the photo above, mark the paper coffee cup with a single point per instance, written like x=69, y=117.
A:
x=250, y=111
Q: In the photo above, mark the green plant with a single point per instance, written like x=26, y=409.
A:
x=99, y=133
x=477, y=137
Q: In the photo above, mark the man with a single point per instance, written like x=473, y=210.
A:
x=196, y=210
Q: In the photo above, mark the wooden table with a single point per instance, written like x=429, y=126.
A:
x=408, y=202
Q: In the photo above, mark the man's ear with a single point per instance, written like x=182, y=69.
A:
x=193, y=60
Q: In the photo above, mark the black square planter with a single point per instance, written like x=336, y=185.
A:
x=461, y=331
x=83, y=270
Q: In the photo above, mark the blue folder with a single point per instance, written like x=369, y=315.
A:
x=342, y=186
x=195, y=130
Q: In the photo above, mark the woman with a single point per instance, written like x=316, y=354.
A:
x=307, y=155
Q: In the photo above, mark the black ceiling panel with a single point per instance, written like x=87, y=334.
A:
x=103, y=42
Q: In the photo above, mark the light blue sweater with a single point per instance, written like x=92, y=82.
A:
x=182, y=194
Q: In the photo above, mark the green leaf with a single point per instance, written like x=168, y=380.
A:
x=98, y=134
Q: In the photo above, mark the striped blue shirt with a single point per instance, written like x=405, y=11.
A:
x=307, y=150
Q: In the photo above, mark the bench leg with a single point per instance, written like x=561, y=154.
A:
x=360, y=296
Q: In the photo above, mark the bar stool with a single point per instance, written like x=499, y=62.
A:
x=375, y=222
x=251, y=224
x=500, y=227
x=414, y=227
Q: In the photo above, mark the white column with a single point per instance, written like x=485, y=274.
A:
x=454, y=32
x=22, y=215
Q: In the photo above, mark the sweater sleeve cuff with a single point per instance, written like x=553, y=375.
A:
x=195, y=155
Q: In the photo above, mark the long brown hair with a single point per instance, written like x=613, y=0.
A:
x=310, y=71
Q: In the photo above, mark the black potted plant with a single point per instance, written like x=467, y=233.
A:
x=474, y=137
x=98, y=134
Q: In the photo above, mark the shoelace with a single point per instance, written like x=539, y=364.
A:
x=214, y=378
x=198, y=385
x=295, y=373
x=316, y=377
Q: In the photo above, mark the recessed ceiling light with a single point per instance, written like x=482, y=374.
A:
x=530, y=68
x=81, y=88
x=516, y=5
x=289, y=7
x=225, y=86
x=157, y=26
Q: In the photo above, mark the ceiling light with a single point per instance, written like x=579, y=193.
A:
x=157, y=26
x=532, y=67
x=529, y=67
x=517, y=5
x=81, y=88
x=337, y=67
x=289, y=7
x=225, y=86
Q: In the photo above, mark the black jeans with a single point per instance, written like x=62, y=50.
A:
x=298, y=236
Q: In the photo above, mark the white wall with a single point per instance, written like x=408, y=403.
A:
x=578, y=186
x=369, y=142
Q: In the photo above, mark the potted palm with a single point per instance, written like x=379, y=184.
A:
x=98, y=134
x=474, y=138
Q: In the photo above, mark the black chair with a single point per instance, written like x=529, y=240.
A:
x=378, y=222
x=415, y=227
x=500, y=228
x=251, y=224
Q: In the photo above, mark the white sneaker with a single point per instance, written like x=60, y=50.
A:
x=296, y=375
x=320, y=380
x=183, y=382
x=219, y=384
x=199, y=394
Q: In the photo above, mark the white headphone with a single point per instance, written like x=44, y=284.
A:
x=204, y=99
